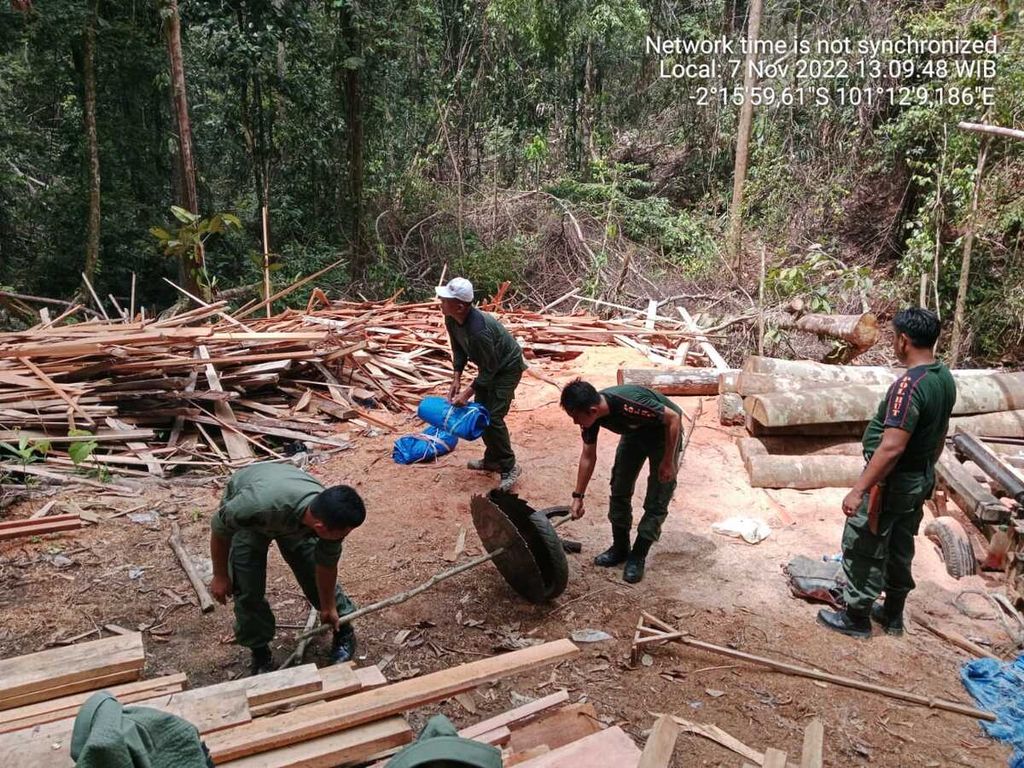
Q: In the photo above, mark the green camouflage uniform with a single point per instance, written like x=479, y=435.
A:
x=264, y=503
x=920, y=403
x=485, y=342
x=637, y=413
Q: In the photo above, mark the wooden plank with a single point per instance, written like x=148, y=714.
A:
x=142, y=449
x=238, y=447
x=515, y=716
x=28, y=469
x=557, y=728
x=56, y=389
x=42, y=527
x=28, y=522
x=660, y=744
x=370, y=678
x=337, y=681
x=317, y=720
x=67, y=706
x=610, y=748
x=75, y=666
x=814, y=738
x=348, y=746
x=49, y=744
x=774, y=758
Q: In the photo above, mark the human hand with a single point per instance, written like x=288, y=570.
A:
x=453, y=390
x=330, y=617
x=852, y=502
x=462, y=397
x=576, y=509
x=220, y=588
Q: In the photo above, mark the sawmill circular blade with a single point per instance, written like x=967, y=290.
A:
x=516, y=563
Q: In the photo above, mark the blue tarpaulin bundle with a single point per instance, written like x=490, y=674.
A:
x=467, y=422
x=423, y=446
x=998, y=686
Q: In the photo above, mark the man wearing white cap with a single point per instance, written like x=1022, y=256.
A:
x=479, y=338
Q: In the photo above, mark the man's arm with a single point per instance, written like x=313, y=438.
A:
x=220, y=587
x=588, y=460
x=673, y=427
x=894, y=443
x=459, y=361
x=326, y=578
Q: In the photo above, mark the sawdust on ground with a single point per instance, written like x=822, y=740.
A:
x=720, y=589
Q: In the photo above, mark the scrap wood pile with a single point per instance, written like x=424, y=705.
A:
x=300, y=716
x=806, y=419
x=205, y=389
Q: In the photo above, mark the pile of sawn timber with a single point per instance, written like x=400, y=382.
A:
x=205, y=389
x=805, y=418
x=301, y=716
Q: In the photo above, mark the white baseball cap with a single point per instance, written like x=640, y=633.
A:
x=458, y=288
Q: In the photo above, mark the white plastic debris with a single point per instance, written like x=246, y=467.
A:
x=751, y=530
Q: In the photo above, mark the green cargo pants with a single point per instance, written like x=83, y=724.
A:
x=630, y=456
x=247, y=567
x=497, y=399
x=876, y=562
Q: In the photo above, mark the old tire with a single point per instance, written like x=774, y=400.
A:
x=541, y=539
x=957, y=551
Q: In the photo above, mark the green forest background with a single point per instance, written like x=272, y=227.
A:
x=513, y=140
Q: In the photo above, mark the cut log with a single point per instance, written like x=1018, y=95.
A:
x=67, y=706
x=730, y=410
x=317, y=720
x=852, y=402
x=206, y=603
x=758, y=383
x=70, y=669
x=1003, y=424
x=860, y=331
x=679, y=381
x=804, y=472
x=350, y=746
x=810, y=446
x=834, y=429
x=863, y=374
x=610, y=748
x=973, y=499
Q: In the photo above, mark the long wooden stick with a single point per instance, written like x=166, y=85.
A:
x=285, y=291
x=792, y=669
x=206, y=603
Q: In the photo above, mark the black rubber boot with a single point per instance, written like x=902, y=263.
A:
x=845, y=623
x=343, y=645
x=637, y=561
x=617, y=553
x=890, y=614
x=262, y=661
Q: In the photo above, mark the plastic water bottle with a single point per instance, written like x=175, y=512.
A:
x=837, y=558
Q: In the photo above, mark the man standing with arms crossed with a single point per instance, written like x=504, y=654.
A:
x=479, y=338
x=651, y=429
x=268, y=502
x=884, y=510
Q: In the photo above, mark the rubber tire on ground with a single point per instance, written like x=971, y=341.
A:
x=541, y=538
x=957, y=551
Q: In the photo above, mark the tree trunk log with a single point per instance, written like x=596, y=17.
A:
x=680, y=381
x=992, y=130
x=861, y=331
x=854, y=429
x=92, y=231
x=804, y=472
x=760, y=383
x=792, y=445
x=861, y=374
x=1002, y=424
x=730, y=410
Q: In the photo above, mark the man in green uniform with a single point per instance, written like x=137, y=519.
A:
x=479, y=338
x=651, y=430
x=269, y=502
x=884, y=510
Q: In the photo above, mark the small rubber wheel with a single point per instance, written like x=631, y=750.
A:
x=955, y=544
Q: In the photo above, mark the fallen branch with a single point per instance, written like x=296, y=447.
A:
x=206, y=603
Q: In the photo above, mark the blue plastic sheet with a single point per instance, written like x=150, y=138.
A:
x=998, y=687
x=424, y=446
x=467, y=422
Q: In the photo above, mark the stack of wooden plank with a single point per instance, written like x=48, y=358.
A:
x=300, y=716
x=807, y=417
x=205, y=389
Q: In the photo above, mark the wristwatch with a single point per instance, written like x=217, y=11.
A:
x=577, y=495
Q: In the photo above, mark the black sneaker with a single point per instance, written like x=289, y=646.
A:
x=343, y=645
x=845, y=623
x=892, y=625
x=262, y=661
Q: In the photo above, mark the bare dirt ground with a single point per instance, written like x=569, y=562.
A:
x=721, y=590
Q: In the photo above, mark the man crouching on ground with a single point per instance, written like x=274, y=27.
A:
x=263, y=503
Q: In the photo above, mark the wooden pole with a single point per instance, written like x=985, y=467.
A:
x=965, y=263
x=813, y=674
x=266, y=262
x=992, y=130
x=206, y=603
x=743, y=138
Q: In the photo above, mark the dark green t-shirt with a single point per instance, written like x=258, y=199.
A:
x=271, y=498
x=487, y=343
x=632, y=410
x=919, y=402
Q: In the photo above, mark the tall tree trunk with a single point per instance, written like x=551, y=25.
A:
x=188, y=268
x=965, y=264
x=92, y=236
x=354, y=113
x=732, y=246
x=587, y=112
